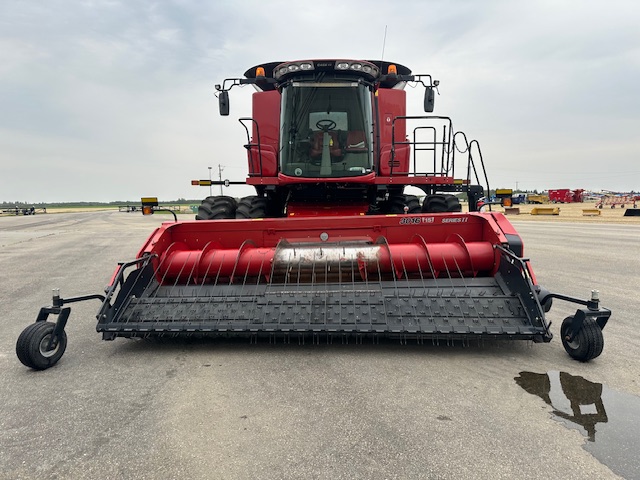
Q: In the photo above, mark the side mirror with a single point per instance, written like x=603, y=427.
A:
x=429, y=99
x=223, y=101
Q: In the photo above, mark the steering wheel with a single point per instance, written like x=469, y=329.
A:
x=326, y=124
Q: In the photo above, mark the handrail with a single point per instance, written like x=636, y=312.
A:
x=249, y=145
x=450, y=143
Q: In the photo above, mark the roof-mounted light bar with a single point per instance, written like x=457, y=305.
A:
x=292, y=67
x=338, y=65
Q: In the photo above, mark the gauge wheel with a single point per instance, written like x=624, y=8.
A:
x=33, y=349
x=587, y=344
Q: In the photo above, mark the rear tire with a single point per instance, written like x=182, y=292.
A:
x=441, y=203
x=216, y=208
x=397, y=203
x=252, y=207
x=588, y=342
x=31, y=346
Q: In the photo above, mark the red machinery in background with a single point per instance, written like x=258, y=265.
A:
x=565, y=195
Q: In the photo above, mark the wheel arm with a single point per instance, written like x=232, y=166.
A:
x=62, y=312
x=42, y=344
x=593, y=310
x=600, y=316
x=58, y=302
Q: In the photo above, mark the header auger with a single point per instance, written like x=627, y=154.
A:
x=331, y=244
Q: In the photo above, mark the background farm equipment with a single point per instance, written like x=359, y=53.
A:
x=23, y=210
x=332, y=246
x=537, y=198
x=621, y=201
x=519, y=198
x=564, y=195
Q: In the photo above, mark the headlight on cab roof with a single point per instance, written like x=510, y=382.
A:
x=291, y=67
x=358, y=66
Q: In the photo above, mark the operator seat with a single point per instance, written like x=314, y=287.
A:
x=356, y=141
x=335, y=149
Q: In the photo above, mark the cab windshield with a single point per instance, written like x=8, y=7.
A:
x=326, y=129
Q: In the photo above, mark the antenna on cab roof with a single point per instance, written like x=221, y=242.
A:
x=384, y=41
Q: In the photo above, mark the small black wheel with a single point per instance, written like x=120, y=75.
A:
x=32, y=344
x=587, y=343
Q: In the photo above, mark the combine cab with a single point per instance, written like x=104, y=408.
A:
x=332, y=137
x=331, y=245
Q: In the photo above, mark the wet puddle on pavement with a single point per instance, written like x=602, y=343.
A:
x=610, y=420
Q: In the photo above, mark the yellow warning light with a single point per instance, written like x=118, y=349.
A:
x=392, y=70
x=147, y=205
x=260, y=72
x=151, y=201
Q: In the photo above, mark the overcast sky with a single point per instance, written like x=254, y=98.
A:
x=104, y=100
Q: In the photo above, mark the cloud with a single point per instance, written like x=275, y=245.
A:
x=100, y=97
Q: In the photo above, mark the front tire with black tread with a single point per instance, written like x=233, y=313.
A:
x=588, y=342
x=31, y=347
x=441, y=203
x=252, y=207
x=397, y=203
x=217, y=208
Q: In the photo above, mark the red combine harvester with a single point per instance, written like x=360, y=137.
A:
x=331, y=245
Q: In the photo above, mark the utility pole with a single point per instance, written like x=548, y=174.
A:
x=516, y=185
x=220, y=169
x=210, y=188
